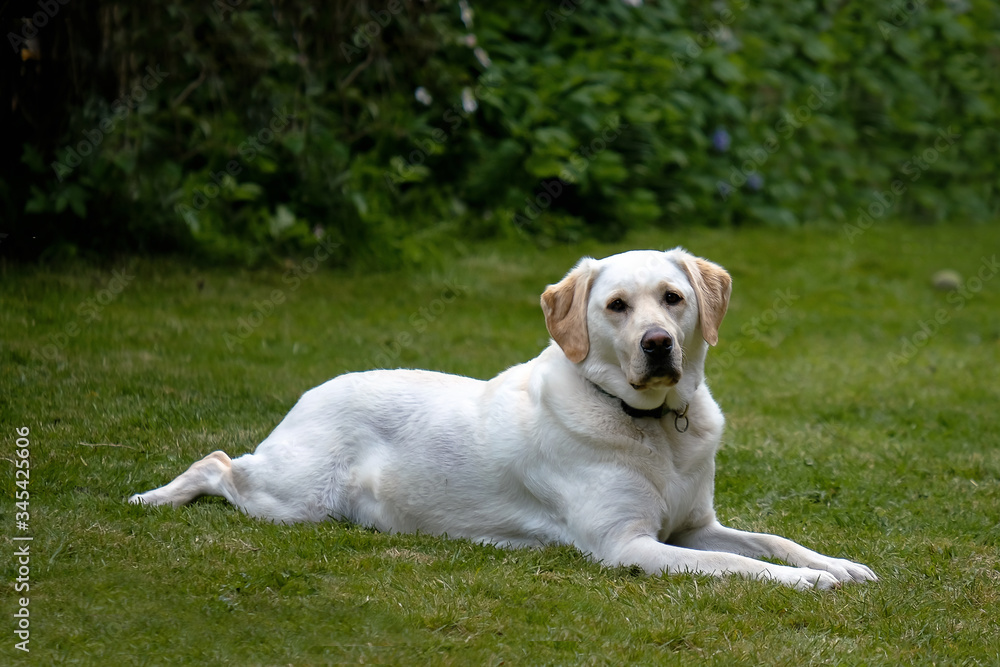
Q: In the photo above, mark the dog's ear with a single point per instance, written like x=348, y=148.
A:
x=565, y=308
x=713, y=286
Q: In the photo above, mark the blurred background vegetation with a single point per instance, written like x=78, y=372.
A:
x=248, y=131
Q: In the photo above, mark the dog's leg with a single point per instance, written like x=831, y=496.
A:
x=716, y=537
x=654, y=556
x=254, y=484
x=211, y=476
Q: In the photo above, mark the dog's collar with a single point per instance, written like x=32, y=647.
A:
x=681, y=421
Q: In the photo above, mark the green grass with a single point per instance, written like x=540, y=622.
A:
x=830, y=441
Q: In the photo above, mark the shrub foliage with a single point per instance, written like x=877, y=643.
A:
x=245, y=130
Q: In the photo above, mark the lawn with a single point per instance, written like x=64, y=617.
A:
x=863, y=422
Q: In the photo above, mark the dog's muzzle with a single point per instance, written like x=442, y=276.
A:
x=658, y=349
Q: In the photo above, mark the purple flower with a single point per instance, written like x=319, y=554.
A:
x=755, y=182
x=721, y=140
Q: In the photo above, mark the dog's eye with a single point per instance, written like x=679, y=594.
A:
x=672, y=297
x=618, y=306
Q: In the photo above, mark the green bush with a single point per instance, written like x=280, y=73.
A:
x=247, y=130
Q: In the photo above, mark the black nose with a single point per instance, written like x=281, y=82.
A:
x=657, y=344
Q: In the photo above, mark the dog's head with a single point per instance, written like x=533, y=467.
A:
x=638, y=322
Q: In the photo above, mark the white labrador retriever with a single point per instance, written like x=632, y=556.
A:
x=605, y=441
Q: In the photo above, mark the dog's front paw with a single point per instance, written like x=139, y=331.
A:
x=845, y=570
x=805, y=578
x=801, y=578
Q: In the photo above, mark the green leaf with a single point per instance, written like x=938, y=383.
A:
x=554, y=141
x=243, y=191
x=125, y=161
x=639, y=206
x=39, y=201
x=817, y=50
x=644, y=109
x=294, y=141
x=402, y=172
x=543, y=165
x=609, y=167
x=77, y=203
x=32, y=158
x=727, y=72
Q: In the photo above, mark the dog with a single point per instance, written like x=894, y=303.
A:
x=606, y=440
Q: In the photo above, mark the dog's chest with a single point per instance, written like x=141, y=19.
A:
x=679, y=466
x=670, y=448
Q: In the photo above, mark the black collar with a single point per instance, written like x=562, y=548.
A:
x=656, y=413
